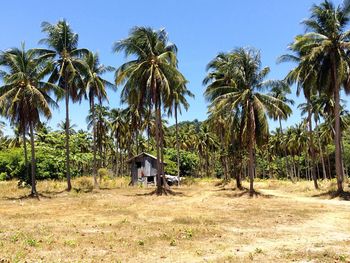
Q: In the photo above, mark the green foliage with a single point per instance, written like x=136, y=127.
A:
x=12, y=164
x=3, y=176
x=32, y=242
x=50, y=157
x=188, y=162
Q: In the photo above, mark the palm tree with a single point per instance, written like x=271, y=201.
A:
x=241, y=90
x=175, y=100
x=24, y=95
x=323, y=61
x=205, y=144
x=147, y=78
x=95, y=88
x=280, y=90
x=118, y=128
x=71, y=128
x=67, y=70
x=307, y=108
x=99, y=118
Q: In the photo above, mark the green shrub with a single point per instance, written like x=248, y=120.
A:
x=50, y=158
x=12, y=164
x=3, y=176
x=188, y=162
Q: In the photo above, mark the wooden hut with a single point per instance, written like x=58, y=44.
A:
x=143, y=169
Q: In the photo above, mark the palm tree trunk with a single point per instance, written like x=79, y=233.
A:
x=322, y=160
x=94, y=143
x=25, y=154
x=69, y=185
x=345, y=170
x=227, y=168
x=238, y=177
x=116, y=173
x=251, y=122
x=137, y=138
x=337, y=135
x=312, y=150
x=33, y=192
x=158, y=176
x=285, y=149
x=207, y=163
x=329, y=165
x=298, y=168
x=294, y=168
x=177, y=146
x=161, y=137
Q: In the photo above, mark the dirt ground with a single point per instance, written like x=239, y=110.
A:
x=203, y=222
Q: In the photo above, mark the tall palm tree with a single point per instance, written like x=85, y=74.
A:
x=323, y=60
x=24, y=97
x=68, y=68
x=177, y=98
x=118, y=128
x=71, y=128
x=99, y=118
x=242, y=91
x=307, y=108
x=280, y=90
x=95, y=87
x=147, y=78
x=205, y=144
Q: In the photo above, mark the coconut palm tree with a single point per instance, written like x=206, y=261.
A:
x=323, y=58
x=68, y=68
x=62, y=127
x=95, y=87
x=146, y=78
x=24, y=97
x=307, y=108
x=99, y=118
x=280, y=90
x=242, y=91
x=118, y=128
x=176, y=99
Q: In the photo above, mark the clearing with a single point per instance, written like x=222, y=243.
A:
x=204, y=222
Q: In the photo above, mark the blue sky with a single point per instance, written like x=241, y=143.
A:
x=200, y=29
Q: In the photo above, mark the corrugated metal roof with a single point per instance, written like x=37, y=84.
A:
x=143, y=153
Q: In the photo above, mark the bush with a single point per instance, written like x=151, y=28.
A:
x=188, y=162
x=3, y=176
x=84, y=184
x=12, y=164
x=104, y=173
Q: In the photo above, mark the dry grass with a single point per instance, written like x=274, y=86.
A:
x=205, y=223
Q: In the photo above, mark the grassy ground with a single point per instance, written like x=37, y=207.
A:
x=204, y=222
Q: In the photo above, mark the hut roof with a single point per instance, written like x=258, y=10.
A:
x=143, y=154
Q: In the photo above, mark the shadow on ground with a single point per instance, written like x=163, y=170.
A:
x=28, y=197
x=235, y=192
x=164, y=192
x=334, y=194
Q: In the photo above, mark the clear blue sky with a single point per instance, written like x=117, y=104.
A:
x=200, y=29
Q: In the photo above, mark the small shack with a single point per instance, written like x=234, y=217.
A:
x=143, y=169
